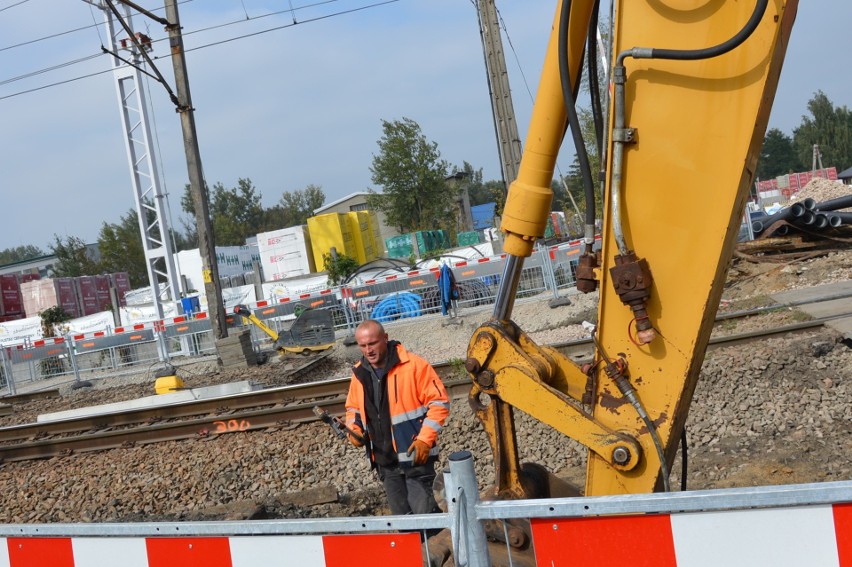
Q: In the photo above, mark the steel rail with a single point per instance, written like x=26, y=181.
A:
x=292, y=405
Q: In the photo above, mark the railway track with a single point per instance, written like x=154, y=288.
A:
x=283, y=407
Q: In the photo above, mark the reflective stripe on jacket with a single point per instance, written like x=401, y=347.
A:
x=417, y=400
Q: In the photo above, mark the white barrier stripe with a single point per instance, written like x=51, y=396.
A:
x=275, y=551
x=746, y=538
x=105, y=552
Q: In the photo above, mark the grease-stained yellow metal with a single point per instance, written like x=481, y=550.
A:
x=684, y=182
x=525, y=376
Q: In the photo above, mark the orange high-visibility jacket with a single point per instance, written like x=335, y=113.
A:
x=418, y=402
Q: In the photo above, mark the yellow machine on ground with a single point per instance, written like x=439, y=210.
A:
x=692, y=85
x=312, y=331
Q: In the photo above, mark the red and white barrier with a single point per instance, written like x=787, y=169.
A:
x=399, y=550
x=792, y=537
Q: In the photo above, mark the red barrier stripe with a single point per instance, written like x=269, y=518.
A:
x=263, y=303
x=37, y=552
x=178, y=319
x=140, y=326
x=843, y=532
x=461, y=264
x=189, y=552
x=201, y=315
x=38, y=343
x=304, y=295
x=368, y=282
x=100, y=334
x=381, y=549
x=284, y=300
x=605, y=541
x=325, y=292
x=389, y=278
x=119, y=330
x=79, y=337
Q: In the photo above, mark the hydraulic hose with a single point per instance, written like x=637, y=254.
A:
x=704, y=53
x=627, y=390
x=621, y=135
x=574, y=124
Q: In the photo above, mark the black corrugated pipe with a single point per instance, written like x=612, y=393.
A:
x=844, y=218
x=820, y=220
x=809, y=203
x=794, y=211
x=807, y=219
x=834, y=204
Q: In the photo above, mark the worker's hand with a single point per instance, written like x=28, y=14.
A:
x=355, y=441
x=420, y=450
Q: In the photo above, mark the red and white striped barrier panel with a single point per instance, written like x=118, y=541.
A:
x=267, y=303
x=397, y=550
x=806, y=536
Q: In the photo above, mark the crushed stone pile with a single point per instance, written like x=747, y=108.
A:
x=823, y=190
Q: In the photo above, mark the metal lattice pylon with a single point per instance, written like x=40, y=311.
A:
x=150, y=198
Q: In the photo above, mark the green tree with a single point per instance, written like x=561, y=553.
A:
x=409, y=168
x=830, y=128
x=297, y=206
x=235, y=213
x=479, y=191
x=120, y=245
x=20, y=253
x=777, y=155
x=72, y=258
x=339, y=268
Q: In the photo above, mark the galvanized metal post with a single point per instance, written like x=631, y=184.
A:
x=7, y=369
x=69, y=344
x=470, y=546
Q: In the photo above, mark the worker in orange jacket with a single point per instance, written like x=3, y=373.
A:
x=398, y=404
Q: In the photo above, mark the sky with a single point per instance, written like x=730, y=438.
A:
x=287, y=105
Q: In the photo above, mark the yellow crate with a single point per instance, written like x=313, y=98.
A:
x=329, y=231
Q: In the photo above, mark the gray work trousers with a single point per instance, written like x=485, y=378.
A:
x=409, y=490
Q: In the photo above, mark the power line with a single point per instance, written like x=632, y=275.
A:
x=82, y=59
x=13, y=5
x=56, y=84
x=310, y=20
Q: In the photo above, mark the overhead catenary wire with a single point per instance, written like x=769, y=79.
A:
x=13, y=5
x=196, y=48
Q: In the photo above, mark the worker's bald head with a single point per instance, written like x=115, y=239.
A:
x=373, y=342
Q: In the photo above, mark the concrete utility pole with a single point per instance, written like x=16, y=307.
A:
x=210, y=269
x=508, y=140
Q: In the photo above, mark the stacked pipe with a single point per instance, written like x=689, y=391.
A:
x=807, y=214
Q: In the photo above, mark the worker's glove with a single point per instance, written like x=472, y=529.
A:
x=354, y=441
x=420, y=450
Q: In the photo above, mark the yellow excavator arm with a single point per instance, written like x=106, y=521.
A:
x=692, y=85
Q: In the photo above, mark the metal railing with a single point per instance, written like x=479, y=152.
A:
x=806, y=524
x=391, y=297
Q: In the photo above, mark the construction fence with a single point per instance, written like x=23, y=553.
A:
x=389, y=297
x=793, y=525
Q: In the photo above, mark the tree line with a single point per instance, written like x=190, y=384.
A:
x=419, y=191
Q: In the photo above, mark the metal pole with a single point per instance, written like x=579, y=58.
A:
x=465, y=494
x=7, y=368
x=210, y=269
